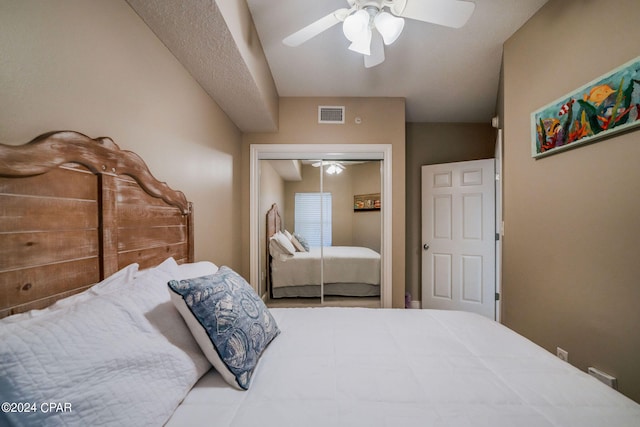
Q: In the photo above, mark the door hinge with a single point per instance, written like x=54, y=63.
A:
x=497, y=296
x=497, y=236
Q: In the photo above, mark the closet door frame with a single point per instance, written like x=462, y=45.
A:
x=326, y=152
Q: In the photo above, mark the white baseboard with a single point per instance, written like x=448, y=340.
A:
x=415, y=304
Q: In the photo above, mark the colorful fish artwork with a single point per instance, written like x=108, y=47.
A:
x=608, y=105
x=598, y=94
x=565, y=108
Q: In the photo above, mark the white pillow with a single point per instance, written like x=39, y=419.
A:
x=287, y=234
x=285, y=243
x=196, y=269
x=117, y=280
x=119, y=358
x=162, y=313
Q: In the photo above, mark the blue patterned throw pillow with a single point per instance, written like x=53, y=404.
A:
x=228, y=320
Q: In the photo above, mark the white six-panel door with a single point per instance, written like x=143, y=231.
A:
x=458, y=236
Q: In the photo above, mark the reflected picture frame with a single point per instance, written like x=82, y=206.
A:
x=366, y=202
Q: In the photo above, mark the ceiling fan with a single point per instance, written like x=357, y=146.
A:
x=368, y=26
x=332, y=167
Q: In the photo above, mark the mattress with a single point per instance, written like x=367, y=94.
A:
x=340, y=264
x=384, y=367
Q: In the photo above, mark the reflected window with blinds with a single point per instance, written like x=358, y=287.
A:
x=313, y=217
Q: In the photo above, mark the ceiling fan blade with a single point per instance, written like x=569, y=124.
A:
x=377, y=50
x=315, y=28
x=449, y=13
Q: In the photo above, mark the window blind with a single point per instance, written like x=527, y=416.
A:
x=313, y=217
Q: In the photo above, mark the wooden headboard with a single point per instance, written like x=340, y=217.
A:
x=274, y=224
x=75, y=210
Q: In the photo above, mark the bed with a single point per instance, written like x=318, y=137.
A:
x=297, y=271
x=114, y=341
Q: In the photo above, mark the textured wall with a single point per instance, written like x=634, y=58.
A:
x=217, y=43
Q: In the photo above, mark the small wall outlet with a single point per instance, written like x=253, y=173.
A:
x=603, y=377
x=562, y=354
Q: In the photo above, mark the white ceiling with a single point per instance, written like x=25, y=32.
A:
x=445, y=74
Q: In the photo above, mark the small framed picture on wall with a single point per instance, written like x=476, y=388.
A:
x=366, y=202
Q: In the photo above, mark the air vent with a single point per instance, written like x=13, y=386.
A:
x=328, y=114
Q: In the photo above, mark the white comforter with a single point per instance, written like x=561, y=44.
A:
x=341, y=264
x=365, y=367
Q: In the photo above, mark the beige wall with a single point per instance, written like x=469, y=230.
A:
x=429, y=144
x=95, y=67
x=383, y=122
x=571, y=270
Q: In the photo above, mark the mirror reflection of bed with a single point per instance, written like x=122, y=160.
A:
x=320, y=242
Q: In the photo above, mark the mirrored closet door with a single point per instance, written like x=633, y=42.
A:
x=321, y=241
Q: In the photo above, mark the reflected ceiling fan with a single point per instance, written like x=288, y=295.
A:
x=334, y=167
x=368, y=26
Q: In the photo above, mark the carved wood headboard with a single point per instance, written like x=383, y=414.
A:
x=75, y=210
x=274, y=224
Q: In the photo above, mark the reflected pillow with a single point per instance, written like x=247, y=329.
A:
x=302, y=241
x=297, y=244
x=276, y=250
x=228, y=320
x=285, y=243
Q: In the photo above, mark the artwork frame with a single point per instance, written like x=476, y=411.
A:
x=608, y=105
x=366, y=202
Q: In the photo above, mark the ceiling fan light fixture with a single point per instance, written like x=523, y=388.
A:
x=335, y=168
x=389, y=26
x=355, y=25
x=363, y=43
x=371, y=24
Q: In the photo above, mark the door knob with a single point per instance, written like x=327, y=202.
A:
x=425, y=247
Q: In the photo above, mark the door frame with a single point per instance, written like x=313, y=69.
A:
x=326, y=152
x=499, y=224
